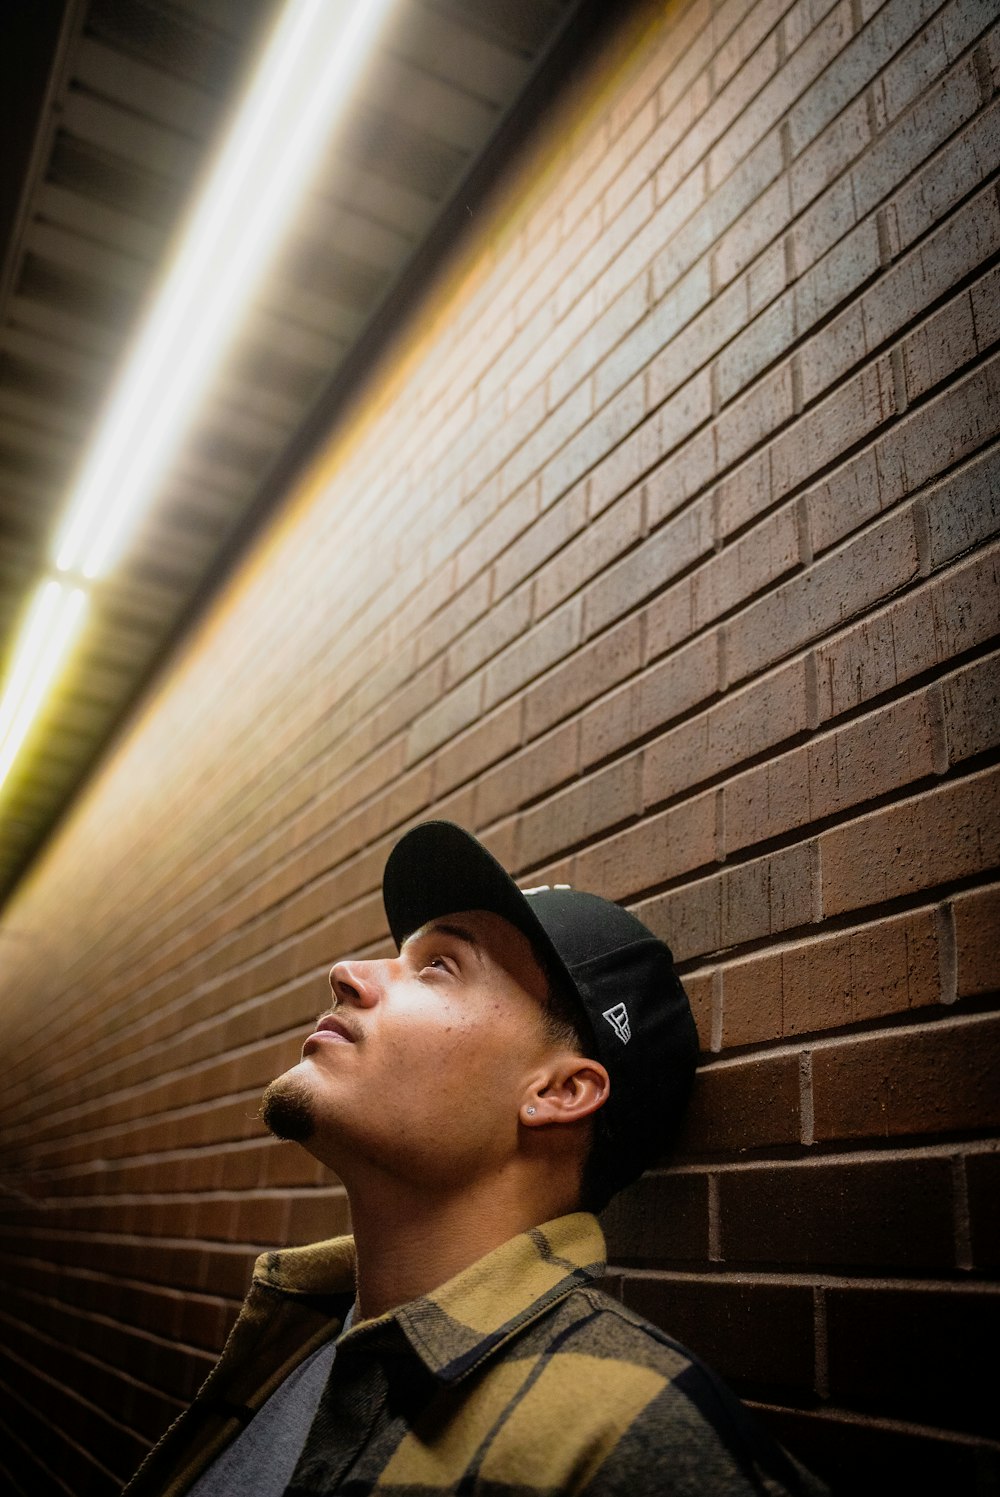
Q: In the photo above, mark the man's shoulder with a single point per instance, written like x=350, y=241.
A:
x=590, y=1321
x=660, y=1403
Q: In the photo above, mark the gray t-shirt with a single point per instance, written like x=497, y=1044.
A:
x=260, y=1461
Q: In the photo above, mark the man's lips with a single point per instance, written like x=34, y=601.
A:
x=330, y=1029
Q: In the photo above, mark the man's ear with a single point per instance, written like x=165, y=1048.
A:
x=569, y=1089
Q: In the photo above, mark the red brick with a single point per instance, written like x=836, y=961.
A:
x=972, y=709
x=700, y=989
x=661, y=1219
x=946, y=340
x=619, y=253
x=950, y=33
x=454, y=711
x=964, y=510
x=889, y=966
x=491, y=738
x=656, y=330
x=675, y=685
x=215, y=872
x=758, y=169
x=766, y=217
x=758, y=414
x=703, y=326
x=860, y=59
x=490, y=539
x=941, y=1079
x=405, y=706
x=602, y=541
x=824, y=161
x=985, y=315
x=960, y=512
x=755, y=1335
x=681, y=476
x=910, y=635
x=760, y=898
x=485, y=639
x=854, y=410
x=893, y=1351
x=841, y=585
x=666, y=691
x=744, y=724
x=964, y=162
x=546, y=643
x=745, y=567
x=456, y=806
x=770, y=334
x=941, y=345
x=667, y=552
x=457, y=614
x=602, y=332
x=520, y=779
x=680, y=192
x=609, y=725
x=870, y=1214
x=866, y=1456
x=830, y=280
x=743, y=1105
x=658, y=436
x=863, y=760
x=604, y=430
x=729, y=66
x=585, y=810
x=652, y=852
x=977, y=920
x=70, y=1416
x=969, y=239
x=590, y=671
x=948, y=833
x=956, y=426
x=982, y=1175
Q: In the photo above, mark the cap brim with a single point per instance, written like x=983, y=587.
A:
x=439, y=868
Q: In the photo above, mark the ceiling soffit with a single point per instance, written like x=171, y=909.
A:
x=122, y=123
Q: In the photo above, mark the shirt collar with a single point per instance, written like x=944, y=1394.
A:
x=454, y=1327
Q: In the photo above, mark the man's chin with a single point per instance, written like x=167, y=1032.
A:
x=286, y=1109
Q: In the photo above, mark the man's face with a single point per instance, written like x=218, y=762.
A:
x=425, y=1059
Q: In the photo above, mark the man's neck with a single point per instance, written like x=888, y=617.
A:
x=409, y=1241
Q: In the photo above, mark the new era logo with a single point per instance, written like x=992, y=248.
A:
x=617, y=1017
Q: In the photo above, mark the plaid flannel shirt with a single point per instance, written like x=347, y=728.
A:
x=517, y=1378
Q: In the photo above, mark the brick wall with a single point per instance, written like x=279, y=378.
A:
x=660, y=550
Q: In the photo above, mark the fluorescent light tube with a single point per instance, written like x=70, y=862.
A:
x=54, y=620
x=303, y=81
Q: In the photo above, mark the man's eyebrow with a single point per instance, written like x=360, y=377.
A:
x=449, y=928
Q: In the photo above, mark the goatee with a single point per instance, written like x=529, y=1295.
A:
x=286, y=1109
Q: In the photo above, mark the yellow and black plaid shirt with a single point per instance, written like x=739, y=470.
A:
x=516, y=1378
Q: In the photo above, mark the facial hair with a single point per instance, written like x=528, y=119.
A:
x=286, y=1109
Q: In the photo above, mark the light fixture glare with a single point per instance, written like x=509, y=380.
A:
x=53, y=623
x=265, y=163
x=263, y=168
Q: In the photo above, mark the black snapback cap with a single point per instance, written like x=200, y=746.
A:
x=634, y=1010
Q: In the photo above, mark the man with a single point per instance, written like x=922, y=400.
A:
x=524, y=1056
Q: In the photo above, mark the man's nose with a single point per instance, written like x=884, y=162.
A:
x=355, y=983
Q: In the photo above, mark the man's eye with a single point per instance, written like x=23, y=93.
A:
x=439, y=963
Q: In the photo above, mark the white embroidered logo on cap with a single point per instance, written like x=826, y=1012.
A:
x=617, y=1017
x=544, y=888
